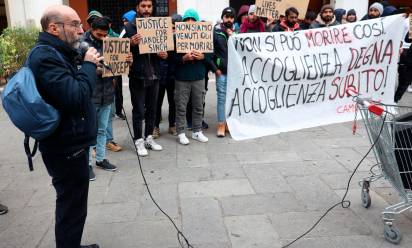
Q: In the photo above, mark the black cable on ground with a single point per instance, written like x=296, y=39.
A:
x=344, y=203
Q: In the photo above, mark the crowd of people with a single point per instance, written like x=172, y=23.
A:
x=88, y=101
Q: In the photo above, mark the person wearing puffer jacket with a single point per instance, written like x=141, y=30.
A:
x=253, y=23
x=326, y=18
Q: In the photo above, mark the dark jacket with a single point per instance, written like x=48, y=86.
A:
x=193, y=70
x=284, y=26
x=145, y=66
x=103, y=94
x=304, y=25
x=319, y=23
x=69, y=90
x=220, y=39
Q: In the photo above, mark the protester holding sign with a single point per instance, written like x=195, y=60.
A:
x=290, y=24
x=143, y=84
x=190, y=82
x=221, y=37
x=326, y=18
x=103, y=96
x=253, y=23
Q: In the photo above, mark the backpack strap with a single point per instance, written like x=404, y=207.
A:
x=26, y=64
x=30, y=153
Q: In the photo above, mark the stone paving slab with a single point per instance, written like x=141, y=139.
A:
x=223, y=194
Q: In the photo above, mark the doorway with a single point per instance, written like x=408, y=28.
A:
x=3, y=16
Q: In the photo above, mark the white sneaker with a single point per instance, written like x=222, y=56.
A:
x=141, y=150
x=151, y=144
x=199, y=136
x=183, y=139
x=410, y=88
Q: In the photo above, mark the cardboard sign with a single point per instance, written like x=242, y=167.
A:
x=285, y=81
x=157, y=34
x=194, y=36
x=276, y=8
x=115, y=51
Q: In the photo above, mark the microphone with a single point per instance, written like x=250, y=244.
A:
x=84, y=46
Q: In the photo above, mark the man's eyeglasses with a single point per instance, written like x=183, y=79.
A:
x=77, y=25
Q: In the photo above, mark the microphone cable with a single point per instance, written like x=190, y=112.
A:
x=344, y=203
x=183, y=241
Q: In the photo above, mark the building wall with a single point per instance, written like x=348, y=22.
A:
x=208, y=10
x=360, y=6
x=27, y=12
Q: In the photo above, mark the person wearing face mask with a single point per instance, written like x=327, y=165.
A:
x=375, y=11
x=67, y=88
x=326, y=18
x=220, y=39
x=290, y=23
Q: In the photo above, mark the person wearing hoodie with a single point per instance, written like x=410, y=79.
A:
x=190, y=73
x=253, y=23
x=220, y=39
x=103, y=96
x=375, y=11
x=326, y=18
x=241, y=17
x=167, y=85
x=340, y=15
x=290, y=23
x=129, y=16
x=144, y=78
x=351, y=16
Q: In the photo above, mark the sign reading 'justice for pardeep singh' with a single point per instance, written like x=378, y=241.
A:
x=157, y=34
x=115, y=51
x=279, y=82
x=194, y=36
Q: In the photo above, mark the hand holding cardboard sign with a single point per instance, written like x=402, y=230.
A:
x=198, y=55
x=135, y=40
x=188, y=57
x=129, y=58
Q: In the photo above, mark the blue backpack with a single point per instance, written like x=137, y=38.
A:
x=27, y=109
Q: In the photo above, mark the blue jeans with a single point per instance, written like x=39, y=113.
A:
x=103, y=113
x=109, y=131
x=221, y=85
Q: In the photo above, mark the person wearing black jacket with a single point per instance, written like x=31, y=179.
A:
x=103, y=96
x=69, y=90
x=290, y=24
x=143, y=84
x=221, y=36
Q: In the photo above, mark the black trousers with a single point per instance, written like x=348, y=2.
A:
x=405, y=74
x=144, y=101
x=168, y=87
x=119, y=95
x=70, y=178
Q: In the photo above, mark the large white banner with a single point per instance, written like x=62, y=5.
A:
x=279, y=82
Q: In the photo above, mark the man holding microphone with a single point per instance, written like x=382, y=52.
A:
x=69, y=90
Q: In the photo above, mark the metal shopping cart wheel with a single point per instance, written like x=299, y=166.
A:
x=392, y=234
x=365, y=196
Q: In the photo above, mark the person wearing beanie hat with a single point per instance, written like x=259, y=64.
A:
x=129, y=16
x=326, y=18
x=144, y=77
x=221, y=37
x=351, y=16
x=190, y=71
x=93, y=15
x=375, y=11
x=241, y=16
x=252, y=24
x=191, y=14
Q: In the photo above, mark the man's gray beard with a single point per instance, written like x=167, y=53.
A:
x=75, y=45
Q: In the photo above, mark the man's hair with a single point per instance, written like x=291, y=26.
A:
x=100, y=23
x=139, y=1
x=49, y=17
x=291, y=10
x=311, y=15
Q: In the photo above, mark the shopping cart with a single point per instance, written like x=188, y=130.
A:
x=389, y=129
